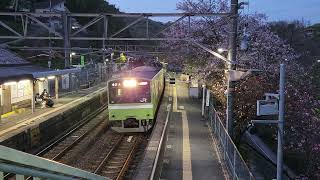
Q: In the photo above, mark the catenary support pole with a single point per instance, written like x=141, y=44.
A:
x=66, y=39
x=281, y=122
x=105, y=35
x=232, y=55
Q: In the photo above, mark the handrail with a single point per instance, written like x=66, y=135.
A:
x=17, y=162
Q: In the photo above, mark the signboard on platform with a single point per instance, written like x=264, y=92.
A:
x=82, y=60
x=269, y=106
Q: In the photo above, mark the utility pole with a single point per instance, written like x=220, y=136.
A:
x=232, y=56
x=281, y=122
x=105, y=36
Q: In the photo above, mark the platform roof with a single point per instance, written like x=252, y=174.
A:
x=16, y=73
x=14, y=68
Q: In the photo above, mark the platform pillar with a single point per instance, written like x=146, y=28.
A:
x=56, y=87
x=33, y=103
x=6, y=99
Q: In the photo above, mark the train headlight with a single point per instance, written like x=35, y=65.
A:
x=130, y=83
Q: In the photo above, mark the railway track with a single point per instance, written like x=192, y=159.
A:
x=94, y=147
x=74, y=135
x=116, y=163
x=59, y=147
x=79, y=138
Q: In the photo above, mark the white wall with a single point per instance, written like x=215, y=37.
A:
x=21, y=91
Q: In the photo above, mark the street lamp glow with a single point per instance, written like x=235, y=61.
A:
x=221, y=50
x=318, y=60
x=73, y=53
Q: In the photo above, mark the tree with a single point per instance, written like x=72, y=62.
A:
x=266, y=51
x=4, y=4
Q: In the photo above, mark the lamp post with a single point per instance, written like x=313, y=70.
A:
x=71, y=54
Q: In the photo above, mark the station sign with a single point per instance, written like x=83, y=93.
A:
x=269, y=106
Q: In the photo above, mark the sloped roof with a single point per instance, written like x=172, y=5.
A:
x=14, y=68
x=9, y=58
x=21, y=72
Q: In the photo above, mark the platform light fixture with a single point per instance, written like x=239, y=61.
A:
x=24, y=81
x=51, y=77
x=10, y=83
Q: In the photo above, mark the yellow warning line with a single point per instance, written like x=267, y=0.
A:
x=186, y=152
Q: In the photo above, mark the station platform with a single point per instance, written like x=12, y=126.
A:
x=17, y=122
x=190, y=151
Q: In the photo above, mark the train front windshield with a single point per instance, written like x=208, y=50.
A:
x=129, y=91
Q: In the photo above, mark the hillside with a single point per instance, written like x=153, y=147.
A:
x=96, y=30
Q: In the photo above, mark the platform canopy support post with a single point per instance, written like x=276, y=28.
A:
x=56, y=87
x=33, y=103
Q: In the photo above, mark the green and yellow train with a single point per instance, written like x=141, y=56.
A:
x=134, y=97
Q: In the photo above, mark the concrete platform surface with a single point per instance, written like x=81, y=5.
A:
x=26, y=118
x=190, y=152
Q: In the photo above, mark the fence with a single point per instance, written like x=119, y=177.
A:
x=87, y=77
x=231, y=155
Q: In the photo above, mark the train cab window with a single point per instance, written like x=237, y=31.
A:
x=119, y=92
x=137, y=93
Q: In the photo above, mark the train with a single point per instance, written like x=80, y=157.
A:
x=134, y=96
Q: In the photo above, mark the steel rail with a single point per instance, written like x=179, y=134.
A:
x=87, y=119
x=128, y=159
x=102, y=163
x=61, y=138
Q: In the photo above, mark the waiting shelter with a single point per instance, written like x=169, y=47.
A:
x=20, y=81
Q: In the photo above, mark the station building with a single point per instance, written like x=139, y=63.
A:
x=20, y=81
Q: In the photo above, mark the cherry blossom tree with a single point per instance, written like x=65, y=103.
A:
x=266, y=51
